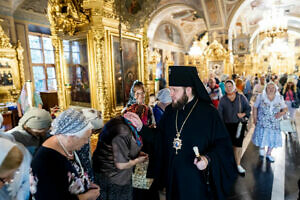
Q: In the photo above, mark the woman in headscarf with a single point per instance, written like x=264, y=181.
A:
x=32, y=129
x=235, y=109
x=268, y=109
x=164, y=99
x=137, y=93
x=28, y=99
x=151, y=191
x=117, y=152
x=137, y=97
x=57, y=172
x=14, y=170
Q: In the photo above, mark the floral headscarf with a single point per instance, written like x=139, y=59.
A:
x=70, y=122
x=132, y=99
x=143, y=112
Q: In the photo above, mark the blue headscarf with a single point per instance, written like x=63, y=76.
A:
x=132, y=99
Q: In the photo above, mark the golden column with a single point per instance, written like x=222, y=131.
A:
x=61, y=92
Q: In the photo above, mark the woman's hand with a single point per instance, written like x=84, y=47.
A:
x=20, y=114
x=142, y=157
x=91, y=194
x=135, y=120
x=279, y=114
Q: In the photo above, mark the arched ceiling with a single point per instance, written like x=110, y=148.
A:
x=247, y=17
x=187, y=21
x=30, y=10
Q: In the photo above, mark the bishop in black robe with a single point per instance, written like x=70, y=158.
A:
x=204, y=129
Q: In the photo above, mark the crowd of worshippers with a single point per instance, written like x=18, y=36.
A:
x=186, y=142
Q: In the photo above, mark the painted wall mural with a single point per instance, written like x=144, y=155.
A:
x=168, y=33
x=213, y=14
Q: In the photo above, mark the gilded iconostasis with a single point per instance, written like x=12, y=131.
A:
x=99, y=47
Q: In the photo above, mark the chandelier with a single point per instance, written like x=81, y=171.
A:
x=196, y=50
x=274, y=24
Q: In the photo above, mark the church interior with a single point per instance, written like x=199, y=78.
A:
x=88, y=53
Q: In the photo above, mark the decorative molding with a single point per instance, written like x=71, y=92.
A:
x=56, y=42
x=102, y=84
x=4, y=40
x=12, y=57
x=20, y=59
x=216, y=51
x=67, y=16
x=135, y=13
x=37, y=6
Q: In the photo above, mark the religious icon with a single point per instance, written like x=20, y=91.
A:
x=133, y=6
x=241, y=45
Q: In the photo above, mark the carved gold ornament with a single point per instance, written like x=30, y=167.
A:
x=66, y=16
x=12, y=58
x=4, y=40
x=216, y=51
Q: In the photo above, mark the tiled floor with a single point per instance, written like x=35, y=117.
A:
x=269, y=181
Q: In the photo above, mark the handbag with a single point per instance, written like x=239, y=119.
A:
x=295, y=103
x=139, y=179
x=242, y=121
x=287, y=125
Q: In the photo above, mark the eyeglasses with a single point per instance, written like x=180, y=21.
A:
x=9, y=179
x=139, y=93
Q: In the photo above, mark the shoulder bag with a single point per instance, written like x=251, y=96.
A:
x=240, y=125
x=295, y=103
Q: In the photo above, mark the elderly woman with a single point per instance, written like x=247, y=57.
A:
x=137, y=93
x=14, y=170
x=57, y=172
x=267, y=112
x=234, y=108
x=32, y=128
x=117, y=152
x=164, y=99
x=137, y=97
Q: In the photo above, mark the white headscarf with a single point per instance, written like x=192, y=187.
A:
x=164, y=95
x=278, y=97
x=264, y=93
x=233, y=85
x=94, y=117
x=5, y=147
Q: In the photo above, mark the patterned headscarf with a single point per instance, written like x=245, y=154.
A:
x=138, y=138
x=71, y=122
x=143, y=112
x=132, y=99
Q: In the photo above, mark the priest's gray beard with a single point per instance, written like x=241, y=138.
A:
x=181, y=102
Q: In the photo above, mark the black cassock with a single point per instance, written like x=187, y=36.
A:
x=177, y=172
